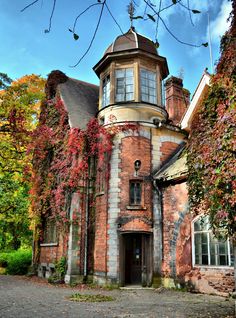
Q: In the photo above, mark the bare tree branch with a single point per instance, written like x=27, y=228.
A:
x=94, y=35
x=29, y=5
x=92, y=5
x=168, y=30
x=50, y=20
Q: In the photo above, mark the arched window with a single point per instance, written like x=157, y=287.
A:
x=207, y=249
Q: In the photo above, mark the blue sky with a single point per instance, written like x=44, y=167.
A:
x=26, y=49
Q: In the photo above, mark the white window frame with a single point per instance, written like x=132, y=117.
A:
x=209, y=231
x=148, y=86
x=128, y=81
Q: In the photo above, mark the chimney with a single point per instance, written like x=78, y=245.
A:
x=177, y=99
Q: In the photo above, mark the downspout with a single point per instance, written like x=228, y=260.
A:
x=86, y=229
x=159, y=219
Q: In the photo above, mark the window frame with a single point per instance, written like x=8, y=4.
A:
x=139, y=203
x=209, y=232
x=106, y=90
x=148, y=86
x=125, y=85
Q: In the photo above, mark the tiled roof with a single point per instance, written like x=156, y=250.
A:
x=81, y=101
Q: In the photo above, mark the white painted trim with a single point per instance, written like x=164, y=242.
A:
x=136, y=38
x=204, y=82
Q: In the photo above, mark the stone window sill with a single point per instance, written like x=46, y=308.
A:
x=135, y=207
x=48, y=244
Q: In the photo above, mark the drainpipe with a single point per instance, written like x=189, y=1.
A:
x=86, y=229
x=158, y=237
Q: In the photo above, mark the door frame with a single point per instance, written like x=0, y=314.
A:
x=147, y=256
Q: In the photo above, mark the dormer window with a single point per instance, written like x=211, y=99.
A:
x=106, y=91
x=124, y=85
x=148, y=86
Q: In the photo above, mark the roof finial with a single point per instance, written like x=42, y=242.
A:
x=131, y=10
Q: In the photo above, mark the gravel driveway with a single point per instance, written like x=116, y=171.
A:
x=22, y=297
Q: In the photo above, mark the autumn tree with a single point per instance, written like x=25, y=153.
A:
x=18, y=117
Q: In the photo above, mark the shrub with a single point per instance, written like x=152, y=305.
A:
x=16, y=262
x=4, y=259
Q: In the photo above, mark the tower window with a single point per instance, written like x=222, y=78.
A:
x=124, y=85
x=106, y=91
x=148, y=86
x=135, y=192
x=208, y=250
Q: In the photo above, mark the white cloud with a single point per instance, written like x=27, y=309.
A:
x=220, y=24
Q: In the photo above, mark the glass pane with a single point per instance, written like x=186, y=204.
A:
x=223, y=248
x=151, y=75
x=197, y=259
x=138, y=193
x=204, y=249
x=144, y=82
x=144, y=90
x=129, y=88
x=204, y=260
x=120, y=82
x=129, y=96
x=129, y=72
x=144, y=73
x=120, y=90
x=152, y=99
x=152, y=92
x=145, y=97
x=120, y=97
x=129, y=80
x=120, y=73
x=152, y=84
x=204, y=237
x=223, y=260
x=131, y=193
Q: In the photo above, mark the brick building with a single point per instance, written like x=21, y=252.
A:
x=144, y=233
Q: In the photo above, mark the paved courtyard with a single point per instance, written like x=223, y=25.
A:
x=22, y=297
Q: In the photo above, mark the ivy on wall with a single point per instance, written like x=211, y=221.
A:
x=212, y=145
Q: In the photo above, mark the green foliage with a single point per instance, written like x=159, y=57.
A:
x=18, y=116
x=14, y=222
x=91, y=298
x=61, y=266
x=16, y=262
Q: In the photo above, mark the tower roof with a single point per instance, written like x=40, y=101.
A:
x=131, y=40
x=128, y=45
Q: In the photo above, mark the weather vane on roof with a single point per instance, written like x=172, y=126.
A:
x=131, y=10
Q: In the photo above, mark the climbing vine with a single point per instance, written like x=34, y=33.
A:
x=65, y=159
x=212, y=144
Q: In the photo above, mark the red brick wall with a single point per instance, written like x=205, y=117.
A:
x=100, y=244
x=174, y=201
x=135, y=148
x=51, y=254
x=167, y=148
